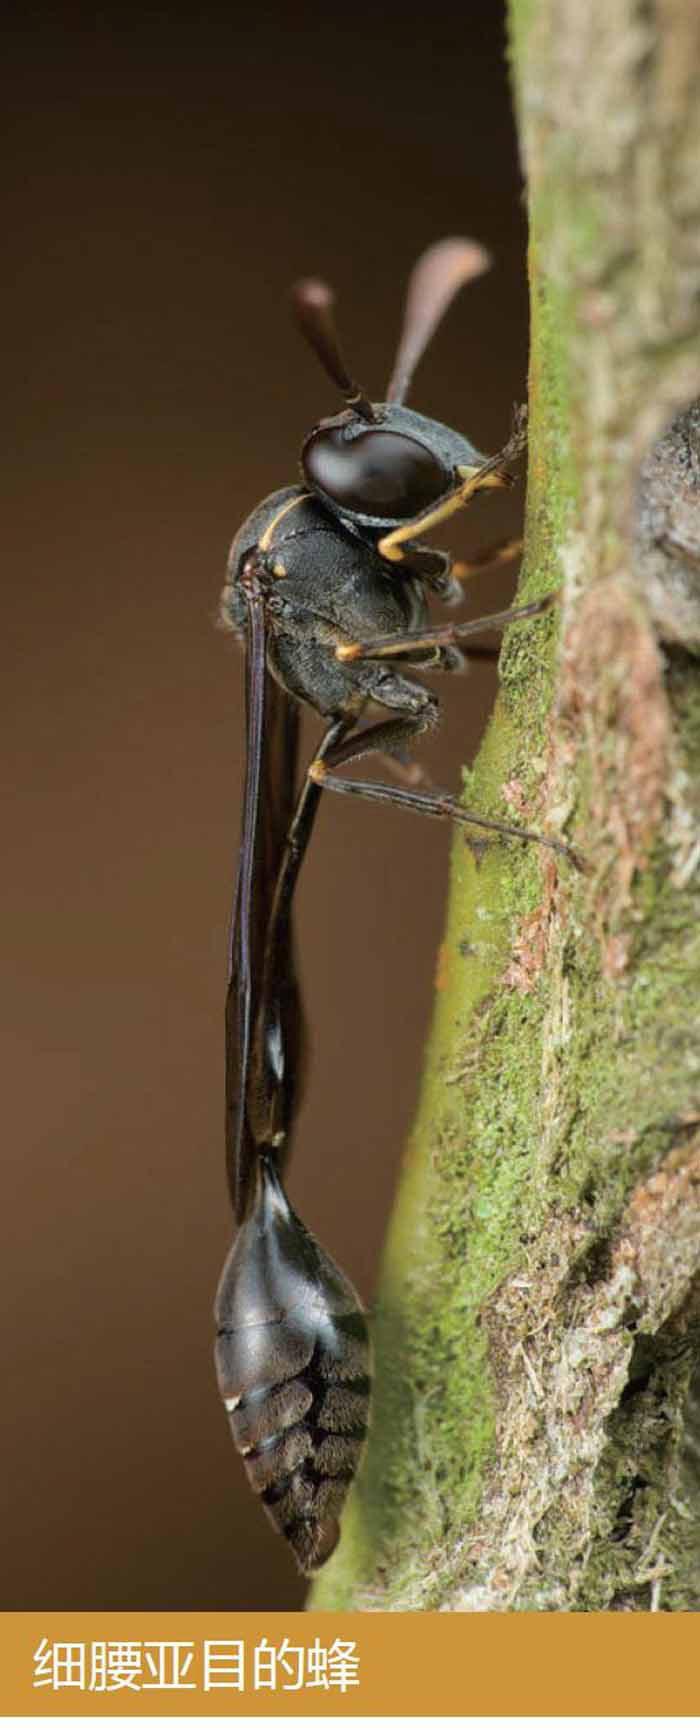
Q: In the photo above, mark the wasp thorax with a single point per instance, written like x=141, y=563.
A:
x=292, y=1360
x=373, y=472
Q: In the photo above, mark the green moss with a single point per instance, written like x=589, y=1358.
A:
x=520, y=17
x=549, y=1092
x=474, y=1189
x=648, y=1520
x=456, y=1228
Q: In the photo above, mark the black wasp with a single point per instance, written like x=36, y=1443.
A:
x=327, y=586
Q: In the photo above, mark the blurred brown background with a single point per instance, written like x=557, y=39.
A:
x=166, y=177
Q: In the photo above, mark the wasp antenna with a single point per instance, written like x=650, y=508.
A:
x=313, y=303
x=432, y=285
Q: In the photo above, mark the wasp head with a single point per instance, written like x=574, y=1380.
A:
x=380, y=464
x=382, y=473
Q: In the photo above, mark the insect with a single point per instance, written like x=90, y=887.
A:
x=327, y=587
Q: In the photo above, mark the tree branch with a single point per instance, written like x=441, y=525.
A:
x=536, y=1432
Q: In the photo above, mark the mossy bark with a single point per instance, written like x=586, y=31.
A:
x=536, y=1429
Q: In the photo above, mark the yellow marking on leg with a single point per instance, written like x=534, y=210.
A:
x=463, y=568
x=317, y=770
x=473, y=479
x=265, y=541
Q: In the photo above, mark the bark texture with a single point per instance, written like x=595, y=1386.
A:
x=536, y=1432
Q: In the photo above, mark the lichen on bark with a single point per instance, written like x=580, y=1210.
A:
x=537, y=1333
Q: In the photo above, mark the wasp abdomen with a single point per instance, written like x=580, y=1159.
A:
x=292, y=1358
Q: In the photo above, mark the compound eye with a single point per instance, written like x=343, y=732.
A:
x=377, y=474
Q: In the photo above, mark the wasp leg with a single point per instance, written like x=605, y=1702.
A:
x=278, y=1041
x=500, y=553
x=441, y=636
x=386, y=735
x=299, y=831
x=445, y=577
x=407, y=772
x=492, y=473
